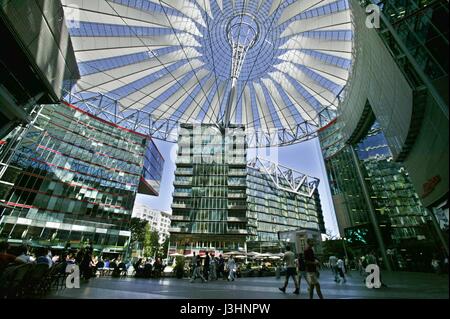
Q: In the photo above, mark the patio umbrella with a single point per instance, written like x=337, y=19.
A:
x=253, y=254
x=232, y=253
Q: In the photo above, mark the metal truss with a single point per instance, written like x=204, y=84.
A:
x=286, y=178
x=109, y=109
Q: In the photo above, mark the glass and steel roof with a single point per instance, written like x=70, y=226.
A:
x=272, y=65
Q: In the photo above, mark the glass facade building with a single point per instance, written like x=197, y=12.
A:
x=69, y=176
x=271, y=210
x=209, y=200
x=404, y=224
x=221, y=203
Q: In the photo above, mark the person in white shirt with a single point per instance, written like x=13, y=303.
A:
x=291, y=270
x=231, y=266
x=333, y=265
x=341, y=270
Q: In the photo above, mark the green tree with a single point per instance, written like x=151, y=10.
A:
x=164, y=248
x=137, y=229
x=151, y=242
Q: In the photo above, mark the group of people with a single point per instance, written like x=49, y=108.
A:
x=213, y=268
x=23, y=255
x=308, y=267
x=84, y=257
x=146, y=268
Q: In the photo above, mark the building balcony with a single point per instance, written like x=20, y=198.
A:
x=235, y=163
x=237, y=231
x=234, y=184
x=237, y=219
x=237, y=173
x=231, y=195
x=182, y=183
x=177, y=217
x=183, y=173
x=178, y=229
x=174, y=205
x=237, y=206
x=178, y=194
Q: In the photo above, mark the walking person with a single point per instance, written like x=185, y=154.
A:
x=197, y=269
x=291, y=271
x=221, y=267
x=340, y=270
x=312, y=269
x=301, y=264
x=206, y=266
x=231, y=266
x=213, y=268
x=333, y=265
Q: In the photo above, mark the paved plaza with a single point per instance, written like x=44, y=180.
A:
x=400, y=286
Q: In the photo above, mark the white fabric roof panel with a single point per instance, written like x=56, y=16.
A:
x=172, y=59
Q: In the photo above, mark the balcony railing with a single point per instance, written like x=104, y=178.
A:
x=175, y=205
x=231, y=195
x=237, y=231
x=237, y=219
x=237, y=206
x=181, y=172
x=178, y=229
x=178, y=194
x=182, y=183
x=236, y=184
x=237, y=173
x=177, y=217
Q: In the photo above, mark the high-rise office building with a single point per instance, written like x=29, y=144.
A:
x=70, y=176
x=276, y=204
x=209, y=205
x=222, y=202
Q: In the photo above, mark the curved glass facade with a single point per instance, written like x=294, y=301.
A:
x=404, y=224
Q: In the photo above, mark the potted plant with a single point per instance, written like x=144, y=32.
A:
x=179, y=267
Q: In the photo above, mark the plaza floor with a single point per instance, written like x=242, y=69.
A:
x=400, y=286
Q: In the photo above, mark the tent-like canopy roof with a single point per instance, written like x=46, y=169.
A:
x=172, y=61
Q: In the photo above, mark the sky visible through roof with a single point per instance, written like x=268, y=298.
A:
x=173, y=59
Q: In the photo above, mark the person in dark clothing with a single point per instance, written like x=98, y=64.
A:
x=312, y=269
x=157, y=268
x=221, y=267
x=138, y=269
x=148, y=269
x=85, y=265
x=301, y=264
x=206, y=266
x=7, y=258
